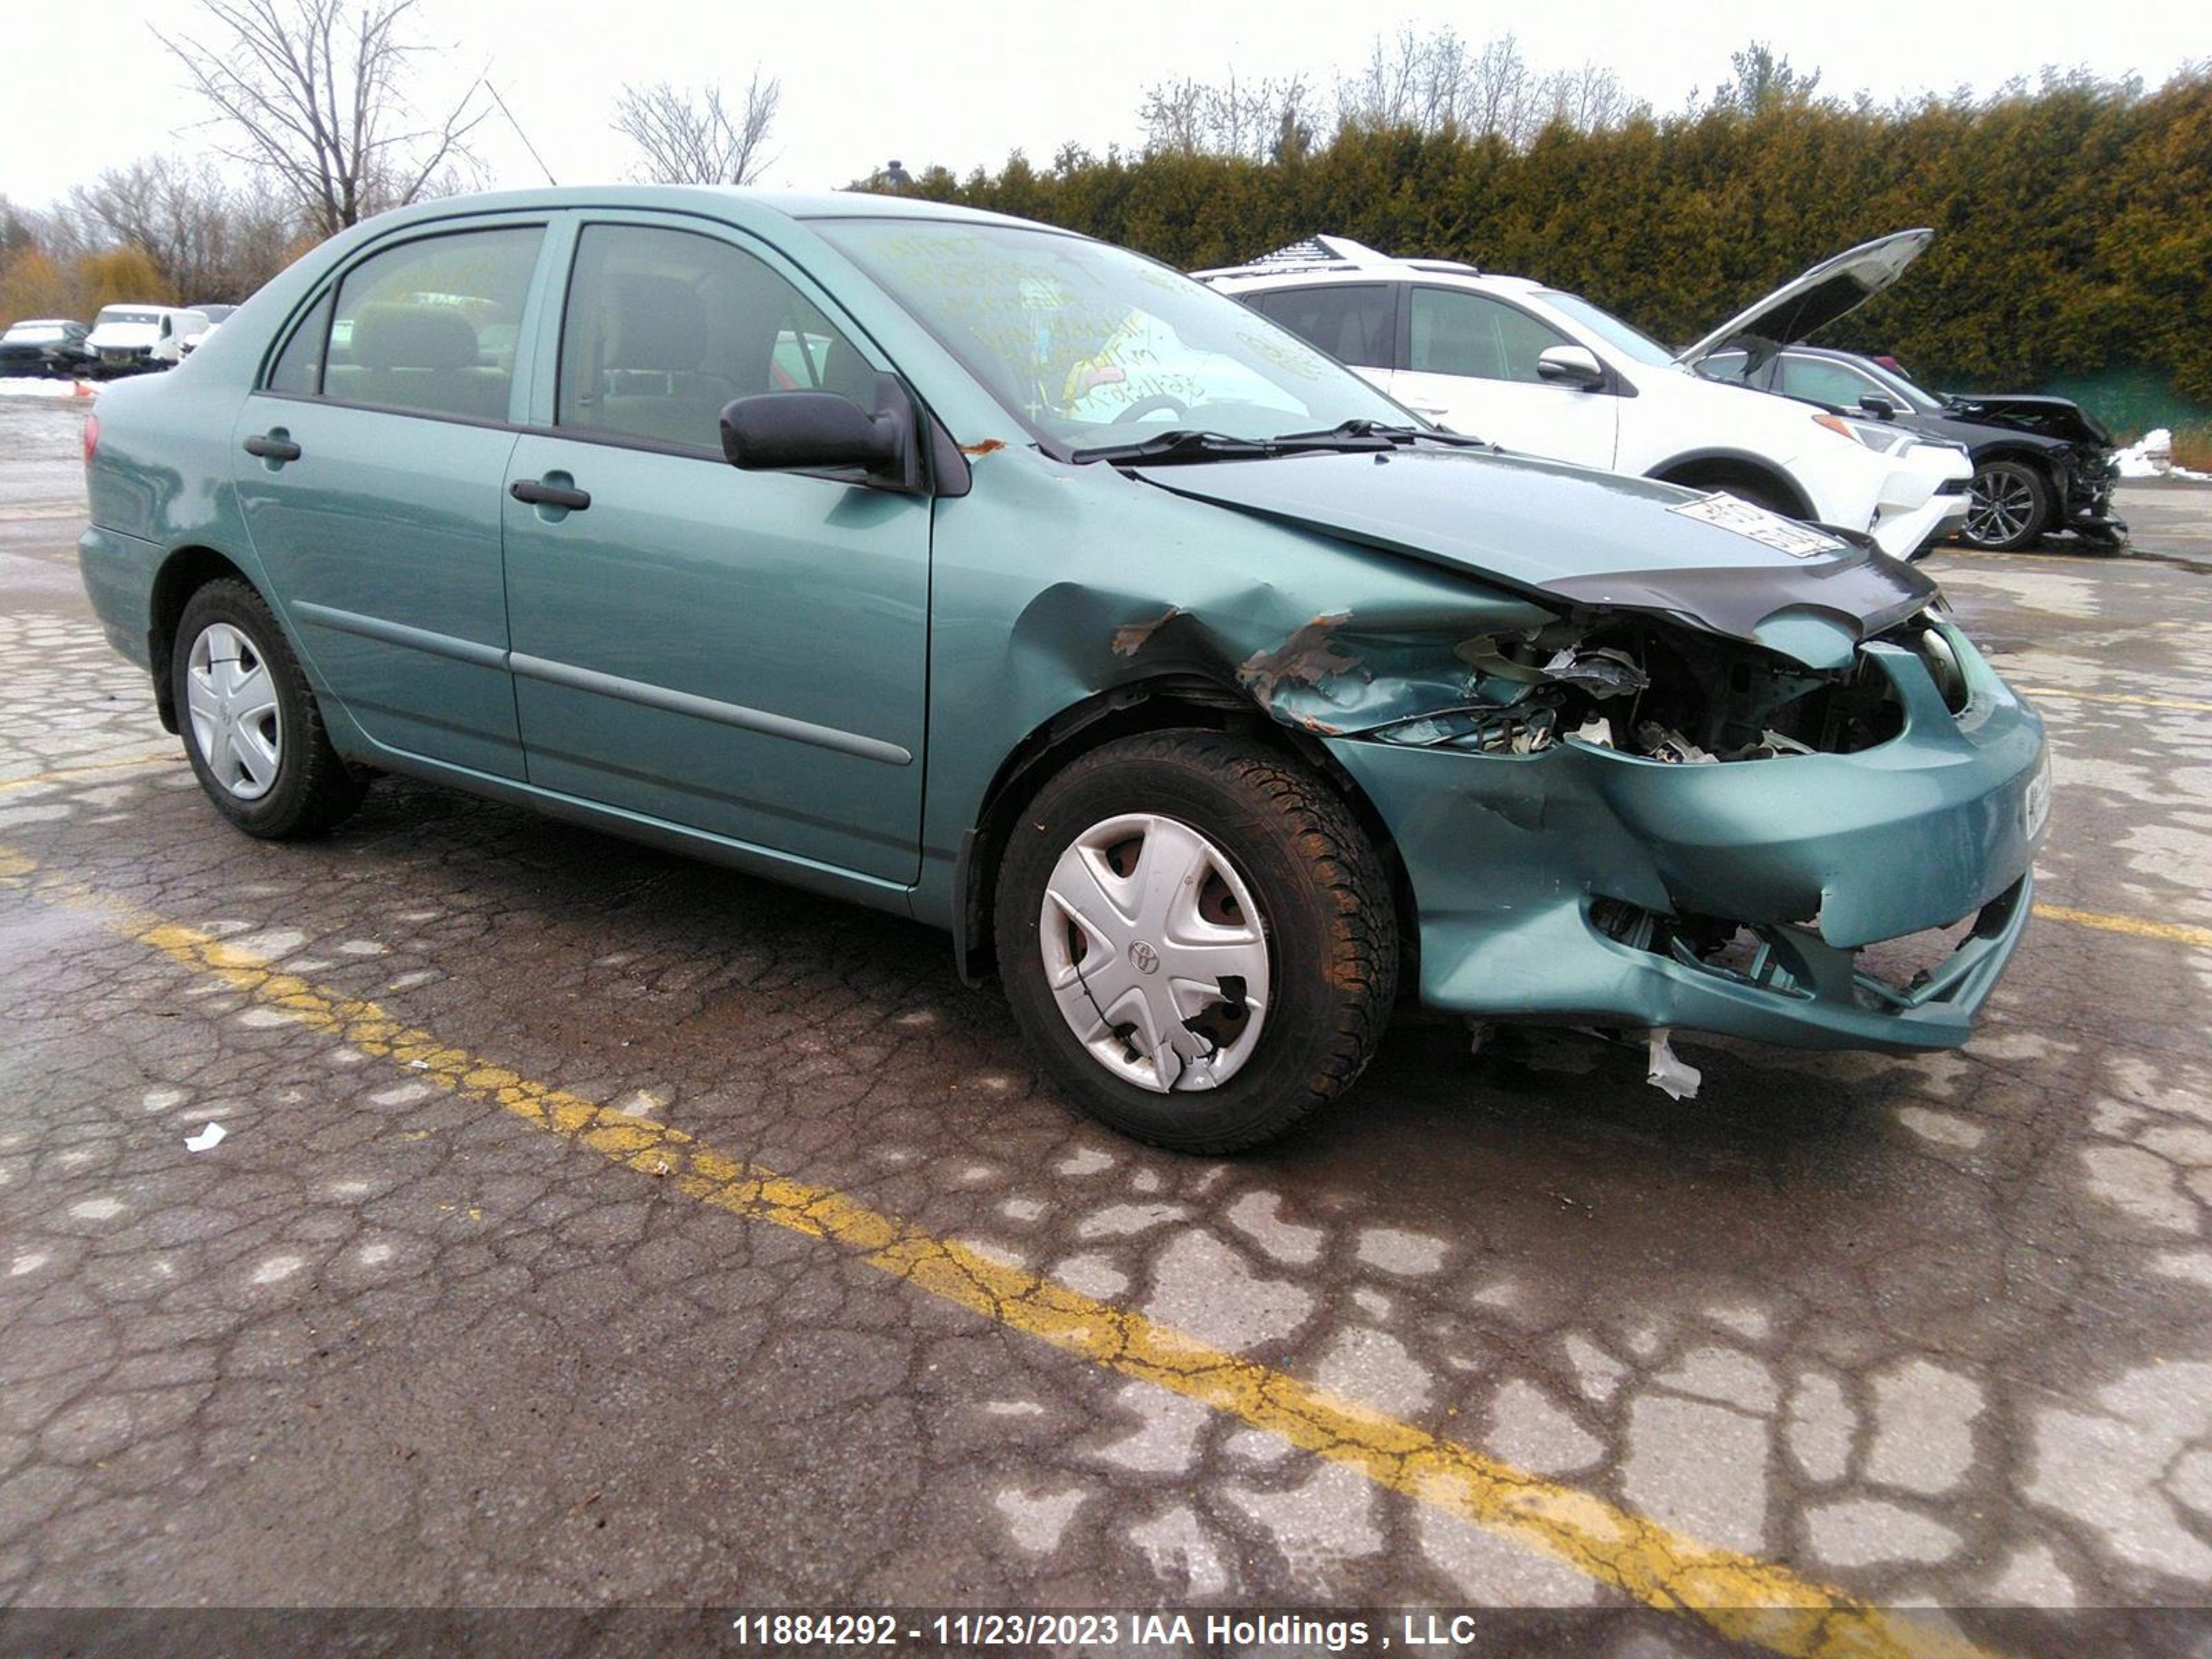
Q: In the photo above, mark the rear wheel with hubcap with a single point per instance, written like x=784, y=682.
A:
x=1196, y=937
x=249, y=721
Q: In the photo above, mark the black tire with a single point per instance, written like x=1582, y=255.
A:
x=2010, y=509
x=1325, y=908
x=314, y=789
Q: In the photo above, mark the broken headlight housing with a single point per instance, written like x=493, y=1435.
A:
x=1663, y=692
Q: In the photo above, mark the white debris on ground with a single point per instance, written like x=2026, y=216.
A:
x=2151, y=456
x=1667, y=1071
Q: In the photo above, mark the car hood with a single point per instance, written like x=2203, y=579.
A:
x=115, y=336
x=1810, y=302
x=1575, y=538
x=2046, y=417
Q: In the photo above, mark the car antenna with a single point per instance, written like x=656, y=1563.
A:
x=519, y=133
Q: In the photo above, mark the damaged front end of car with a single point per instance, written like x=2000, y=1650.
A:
x=1711, y=771
x=1617, y=819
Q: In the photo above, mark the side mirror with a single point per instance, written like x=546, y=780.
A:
x=1570, y=365
x=1878, y=406
x=812, y=431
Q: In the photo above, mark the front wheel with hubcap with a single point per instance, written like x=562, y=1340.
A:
x=2009, y=507
x=1196, y=937
x=249, y=721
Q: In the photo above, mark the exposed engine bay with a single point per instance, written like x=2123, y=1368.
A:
x=1666, y=694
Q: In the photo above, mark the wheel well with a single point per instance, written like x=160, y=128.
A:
x=183, y=575
x=1180, y=700
x=1720, y=471
x=2044, y=466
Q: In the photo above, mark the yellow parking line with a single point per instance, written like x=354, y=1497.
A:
x=2116, y=696
x=1740, y=1596
x=63, y=773
x=2174, y=933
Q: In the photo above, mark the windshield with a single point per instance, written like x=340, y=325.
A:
x=1623, y=338
x=1090, y=346
x=125, y=314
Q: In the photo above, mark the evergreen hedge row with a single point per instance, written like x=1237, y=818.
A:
x=2074, y=222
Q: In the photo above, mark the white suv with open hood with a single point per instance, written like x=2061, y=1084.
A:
x=1546, y=372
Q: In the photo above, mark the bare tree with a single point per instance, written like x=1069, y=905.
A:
x=1588, y=100
x=692, y=138
x=1263, y=121
x=315, y=92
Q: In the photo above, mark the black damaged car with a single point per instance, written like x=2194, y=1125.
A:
x=2041, y=464
x=45, y=346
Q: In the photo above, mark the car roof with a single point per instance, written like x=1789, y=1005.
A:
x=733, y=201
x=1829, y=352
x=1324, y=260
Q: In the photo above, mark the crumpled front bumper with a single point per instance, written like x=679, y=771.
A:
x=1541, y=881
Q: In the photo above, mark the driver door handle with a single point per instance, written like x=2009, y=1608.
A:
x=538, y=493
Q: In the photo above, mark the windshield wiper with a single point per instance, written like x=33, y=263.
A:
x=1395, y=434
x=1181, y=447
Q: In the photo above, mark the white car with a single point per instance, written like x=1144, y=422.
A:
x=130, y=337
x=1546, y=373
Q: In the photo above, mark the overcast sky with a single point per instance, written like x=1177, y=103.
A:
x=964, y=84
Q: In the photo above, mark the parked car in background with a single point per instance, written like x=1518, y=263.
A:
x=216, y=314
x=130, y=338
x=2041, y=464
x=1546, y=372
x=44, y=346
x=1008, y=581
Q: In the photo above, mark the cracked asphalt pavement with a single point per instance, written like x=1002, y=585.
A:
x=486, y=1299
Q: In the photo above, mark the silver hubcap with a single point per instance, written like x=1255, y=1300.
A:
x=1156, y=953
x=2001, y=505
x=232, y=699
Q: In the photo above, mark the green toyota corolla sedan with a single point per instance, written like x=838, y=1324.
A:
x=1000, y=578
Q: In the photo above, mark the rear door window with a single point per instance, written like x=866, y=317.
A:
x=1355, y=323
x=431, y=326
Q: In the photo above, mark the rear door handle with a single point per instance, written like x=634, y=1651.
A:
x=272, y=448
x=538, y=493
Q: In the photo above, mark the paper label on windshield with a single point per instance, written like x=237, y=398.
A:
x=1800, y=541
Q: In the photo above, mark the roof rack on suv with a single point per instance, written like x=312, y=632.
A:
x=1327, y=253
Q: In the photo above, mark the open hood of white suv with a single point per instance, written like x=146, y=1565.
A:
x=1809, y=302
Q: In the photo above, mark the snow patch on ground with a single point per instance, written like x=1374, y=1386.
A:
x=2151, y=456
x=30, y=386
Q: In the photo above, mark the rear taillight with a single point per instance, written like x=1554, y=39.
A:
x=91, y=438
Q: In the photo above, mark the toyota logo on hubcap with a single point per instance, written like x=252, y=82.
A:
x=1146, y=959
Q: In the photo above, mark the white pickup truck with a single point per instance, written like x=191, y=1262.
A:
x=127, y=338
